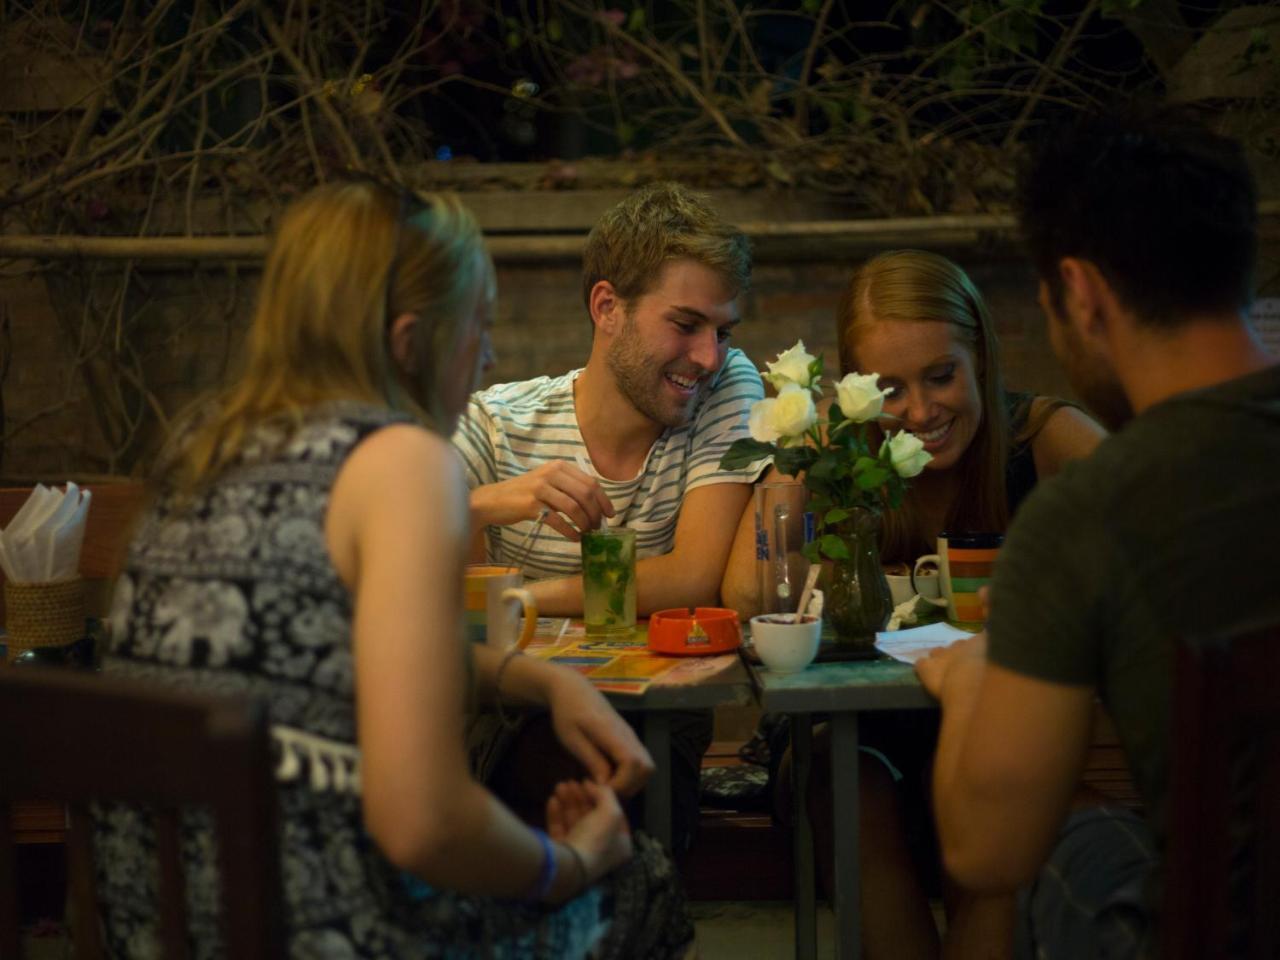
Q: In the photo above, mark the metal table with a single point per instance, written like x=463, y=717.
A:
x=842, y=690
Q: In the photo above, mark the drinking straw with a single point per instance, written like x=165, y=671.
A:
x=526, y=545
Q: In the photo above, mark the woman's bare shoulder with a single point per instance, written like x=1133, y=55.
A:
x=1068, y=433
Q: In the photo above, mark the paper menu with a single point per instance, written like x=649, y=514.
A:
x=912, y=645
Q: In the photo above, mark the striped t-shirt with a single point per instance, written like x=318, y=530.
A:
x=512, y=428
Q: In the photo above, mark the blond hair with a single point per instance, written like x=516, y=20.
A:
x=346, y=259
x=913, y=286
x=662, y=222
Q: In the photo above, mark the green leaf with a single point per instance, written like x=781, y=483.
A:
x=827, y=467
x=833, y=547
x=635, y=22
x=811, y=552
x=871, y=479
x=794, y=461
x=835, y=515
x=742, y=453
x=555, y=31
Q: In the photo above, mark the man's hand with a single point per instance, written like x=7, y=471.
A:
x=573, y=500
x=593, y=732
x=934, y=669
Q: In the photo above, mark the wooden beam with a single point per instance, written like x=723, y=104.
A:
x=798, y=240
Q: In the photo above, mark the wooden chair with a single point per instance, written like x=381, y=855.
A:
x=112, y=513
x=1222, y=865
x=81, y=737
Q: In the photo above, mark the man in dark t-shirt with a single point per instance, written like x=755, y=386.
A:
x=1144, y=234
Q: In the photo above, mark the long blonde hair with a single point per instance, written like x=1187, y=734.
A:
x=913, y=286
x=320, y=328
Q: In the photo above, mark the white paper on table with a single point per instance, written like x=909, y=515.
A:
x=910, y=645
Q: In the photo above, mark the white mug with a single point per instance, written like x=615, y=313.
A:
x=495, y=603
x=924, y=583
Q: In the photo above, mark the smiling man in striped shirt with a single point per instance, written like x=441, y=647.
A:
x=635, y=436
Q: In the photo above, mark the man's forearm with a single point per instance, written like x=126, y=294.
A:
x=559, y=597
x=958, y=698
x=672, y=581
x=661, y=582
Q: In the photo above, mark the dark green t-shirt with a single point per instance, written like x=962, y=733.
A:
x=1169, y=530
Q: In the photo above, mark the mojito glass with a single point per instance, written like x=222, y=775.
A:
x=609, y=582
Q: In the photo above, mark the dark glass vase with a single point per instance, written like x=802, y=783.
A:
x=858, y=602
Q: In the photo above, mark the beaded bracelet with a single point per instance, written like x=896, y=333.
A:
x=497, y=687
x=547, y=872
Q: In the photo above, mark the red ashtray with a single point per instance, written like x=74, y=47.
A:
x=694, y=632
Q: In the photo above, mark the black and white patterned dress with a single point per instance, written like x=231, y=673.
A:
x=233, y=591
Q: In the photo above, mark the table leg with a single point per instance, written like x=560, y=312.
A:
x=802, y=838
x=657, y=792
x=845, y=803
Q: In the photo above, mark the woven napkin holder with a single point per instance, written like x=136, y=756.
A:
x=46, y=614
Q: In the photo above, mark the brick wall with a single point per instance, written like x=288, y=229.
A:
x=187, y=323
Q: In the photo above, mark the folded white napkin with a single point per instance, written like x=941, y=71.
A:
x=42, y=542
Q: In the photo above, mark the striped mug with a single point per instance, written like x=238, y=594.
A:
x=965, y=563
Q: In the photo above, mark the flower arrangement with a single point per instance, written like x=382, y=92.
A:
x=840, y=470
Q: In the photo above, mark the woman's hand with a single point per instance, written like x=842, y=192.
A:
x=572, y=500
x=593, y=732
x=588, y=818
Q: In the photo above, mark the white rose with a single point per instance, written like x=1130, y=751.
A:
x=792, y=366
x=760, y=421
x=906, y=453
x=789, y=414
x=859, y=398
x=794, y=413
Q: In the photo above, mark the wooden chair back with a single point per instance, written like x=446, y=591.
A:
x=113, y=512
x=1222, y=865
x=81, y=738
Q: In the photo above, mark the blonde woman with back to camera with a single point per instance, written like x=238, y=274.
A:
x=916, y=319
x=306, y=546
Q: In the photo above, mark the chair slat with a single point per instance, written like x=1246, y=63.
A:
x=172, y=894
x=86, y=931
x=10, y=937
x=1224, y=809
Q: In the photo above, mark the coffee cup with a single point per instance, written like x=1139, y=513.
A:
x=495, y=602
x=785, y=645
x=906, y=584
x=965, y=563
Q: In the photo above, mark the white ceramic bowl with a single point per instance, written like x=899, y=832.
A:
x=785, y=647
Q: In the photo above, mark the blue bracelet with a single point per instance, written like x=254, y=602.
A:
x=547, y=872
